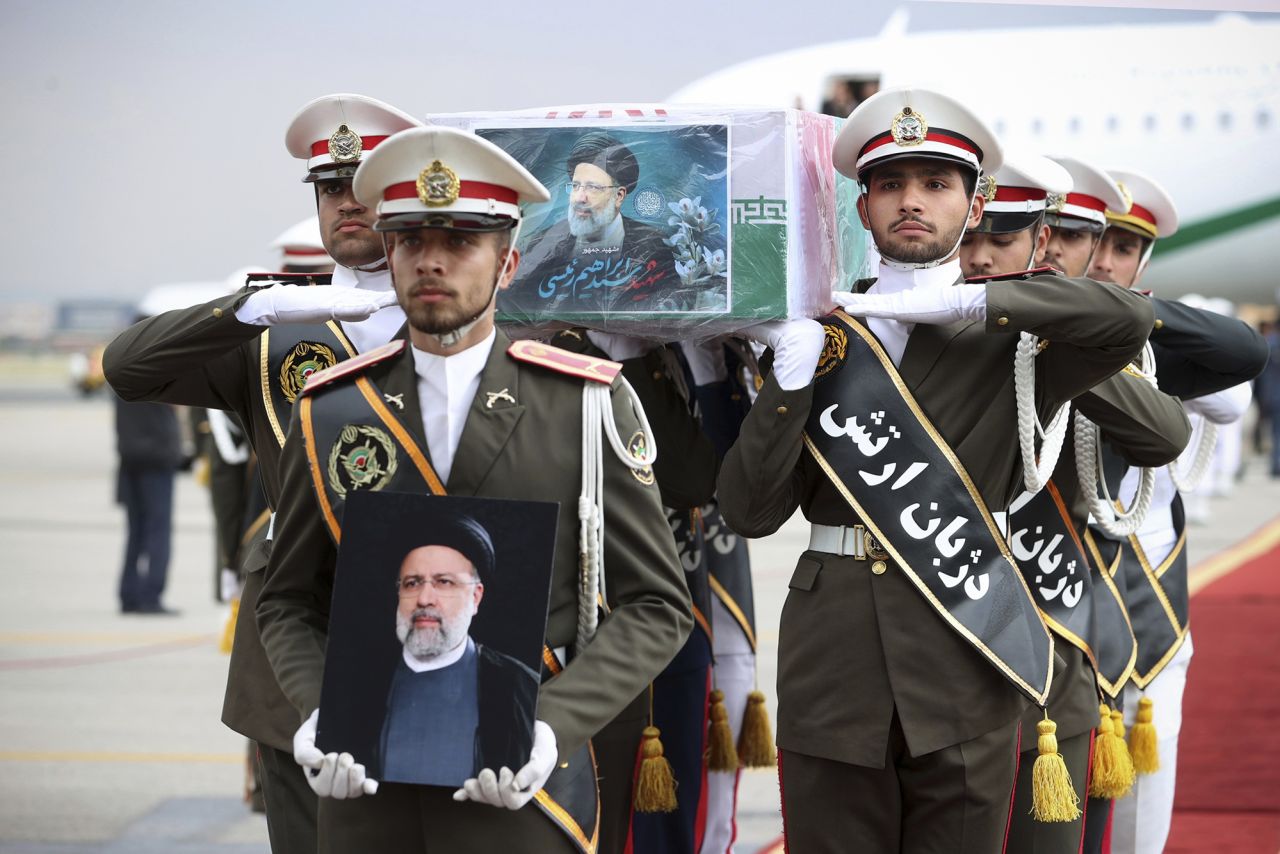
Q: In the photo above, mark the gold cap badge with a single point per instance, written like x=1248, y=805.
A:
x=345, y=145
x=987, y=187
x=909, y=127
x=1055, y=202
x=438, y=185
x=1128, y=197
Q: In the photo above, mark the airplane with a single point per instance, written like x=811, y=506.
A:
x=1194, y=105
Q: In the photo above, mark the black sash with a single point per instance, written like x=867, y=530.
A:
x=1158, y=598
x=1053, y=563
x=730, y=570
x=290, y=353
x=921, y=505
x=1113, y=640
x=354, y=442
x=691, y=546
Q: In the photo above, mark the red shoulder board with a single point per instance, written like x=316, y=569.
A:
x=1045, y=270
x=564, y=362
x=354, y=365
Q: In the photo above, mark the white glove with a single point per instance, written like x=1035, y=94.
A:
x=1222, y=407
x=331, y=775
x=281, y=304
x=796, y=345
x=619, y=348
x=919, y=305
x=513, y=791
x=706, y=361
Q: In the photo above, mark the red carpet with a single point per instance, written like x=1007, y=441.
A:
x=1228, y=791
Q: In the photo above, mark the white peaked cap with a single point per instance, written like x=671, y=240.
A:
x=1093, y=192
x=444, y=173
x=1024, y=182
x=317, y=133
x=301, y=246
x=1150, y=213
x=914, y=123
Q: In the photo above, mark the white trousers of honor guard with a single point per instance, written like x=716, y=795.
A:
x=735, y=672
x=1140, y=820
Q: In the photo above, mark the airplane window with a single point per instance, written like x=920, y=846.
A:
x=1074, y=125
x=1224, y=121
x=1263, y=118
x=1188, y=121
x=1149, y=122
x=1037, y=126
x=1113, y=123
x=999, y=127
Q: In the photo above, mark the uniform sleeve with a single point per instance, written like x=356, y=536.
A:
x=1199, y=352
x=293, y=608
x=1093, y=329
x=650, y=617
x=1146, y=426
x=760, y=484
x=191, y=356
x=686, y=464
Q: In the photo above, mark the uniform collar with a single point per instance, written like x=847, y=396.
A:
x=892, y=280
x=346, y=277
x=469, y=362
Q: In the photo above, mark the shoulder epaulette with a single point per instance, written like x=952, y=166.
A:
x=1045, y=270
x=265, y=280
x=354, y=365
x=563, y=361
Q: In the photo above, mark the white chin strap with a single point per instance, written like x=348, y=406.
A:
x=895, y=264
x=451, y=338
x=374, y=267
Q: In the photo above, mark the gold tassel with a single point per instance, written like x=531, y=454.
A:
x=721, y=754
x=656, y=783
x=1143, y=745
x=229, y=628
x=755, y=740
x=1052, y=796
x=1112, y=772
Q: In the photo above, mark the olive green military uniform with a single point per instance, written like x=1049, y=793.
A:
x=895, y=733
x=203, y=356
x=1148, y=428
x=529, y=449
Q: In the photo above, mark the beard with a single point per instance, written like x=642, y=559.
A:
x=593, y=225
x=431, y=642
x=917, y=251
x=443, y=318
x=355, y=249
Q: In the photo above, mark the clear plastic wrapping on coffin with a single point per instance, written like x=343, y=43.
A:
x=674, y=223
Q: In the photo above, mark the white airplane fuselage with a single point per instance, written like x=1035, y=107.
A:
x=1195, y=106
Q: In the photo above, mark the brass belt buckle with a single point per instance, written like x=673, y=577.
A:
x=876, y=553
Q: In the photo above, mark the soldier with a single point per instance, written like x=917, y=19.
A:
x=1078, y=218
x=1083, y=608
x=302, y=249
x=909, y=644
x=1206, y=359
x=464, y=408
x=250, y=353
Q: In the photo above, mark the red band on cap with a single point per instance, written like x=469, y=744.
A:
x=944, y=137
x=1019, y=194
x=1142, y=213
x=367, y=143
x=1080, y=200
x=466, y=190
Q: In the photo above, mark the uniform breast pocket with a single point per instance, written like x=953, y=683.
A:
x=806, y=573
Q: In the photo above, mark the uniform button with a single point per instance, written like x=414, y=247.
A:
x=782, y=410
x=217, y=312
x=1002, y=321
x=657, y=375
x=879, y=567
x=1159, y=323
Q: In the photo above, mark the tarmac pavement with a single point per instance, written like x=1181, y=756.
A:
x=110, y=738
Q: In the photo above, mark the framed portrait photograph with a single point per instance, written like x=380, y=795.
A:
x=436, y=632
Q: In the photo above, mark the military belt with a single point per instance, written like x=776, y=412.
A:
x=847, y=540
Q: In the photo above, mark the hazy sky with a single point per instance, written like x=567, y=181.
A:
x=146, y=139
